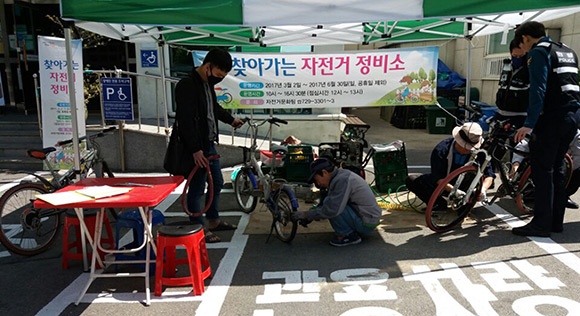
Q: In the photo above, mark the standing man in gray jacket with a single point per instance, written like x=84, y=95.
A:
x=350, y=205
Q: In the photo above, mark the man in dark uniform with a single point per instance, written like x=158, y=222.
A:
x=512, y=96
x=554, y=99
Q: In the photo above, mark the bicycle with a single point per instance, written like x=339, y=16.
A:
x=457, y=194
x=251, y=183
x=28, y=231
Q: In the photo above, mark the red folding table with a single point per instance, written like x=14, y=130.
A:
x=145, y=193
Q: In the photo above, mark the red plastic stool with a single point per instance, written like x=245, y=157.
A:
x=192, y=237
x=71, y=220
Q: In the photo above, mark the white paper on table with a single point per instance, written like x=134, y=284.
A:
x=62, y=198
x=102, y=191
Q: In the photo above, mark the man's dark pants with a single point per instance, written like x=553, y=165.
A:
x=550, y=141
x=423, y=186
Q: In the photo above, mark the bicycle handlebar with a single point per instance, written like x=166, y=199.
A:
x=271, y=120
x=99, y=134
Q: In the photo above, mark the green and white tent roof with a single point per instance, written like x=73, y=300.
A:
x=305, y=22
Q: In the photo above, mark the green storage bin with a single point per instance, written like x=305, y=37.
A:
x=297, y=163
x=390, y=181
x=439, y=121
x=389, y=157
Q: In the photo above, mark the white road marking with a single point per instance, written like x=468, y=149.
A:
x=547, y=244
x=211, y=300
x=9, y=185
x=214, y=296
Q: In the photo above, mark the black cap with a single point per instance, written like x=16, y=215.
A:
x=318, y=165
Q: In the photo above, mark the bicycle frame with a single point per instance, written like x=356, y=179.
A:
x=251, y=183
x=89, y=160
x=480, y=158
x=19, y=217
x=263, y=181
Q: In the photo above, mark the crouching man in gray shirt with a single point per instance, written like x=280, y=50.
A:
x=350, y=205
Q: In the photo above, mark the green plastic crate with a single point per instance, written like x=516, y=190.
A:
x=297, y=163
x=439, y=121
x=390, y=181
x=389, y=157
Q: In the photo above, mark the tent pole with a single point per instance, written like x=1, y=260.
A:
x=72, y=101
x=163, y=85
x=468, y=74
x=468, y=37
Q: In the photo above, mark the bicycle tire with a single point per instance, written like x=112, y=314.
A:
x=525, y=193
x=443, y=218
x=106, y=170
x=284, y=226
x=27, y=231
x=526, y=188
x=107, y=173
x=244, y=189
x=569, y=168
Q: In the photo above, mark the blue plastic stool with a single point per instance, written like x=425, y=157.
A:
x=132, y=220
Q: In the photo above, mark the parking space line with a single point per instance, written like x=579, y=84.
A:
x=211, y=301
x=9, y=185
x=547, y=244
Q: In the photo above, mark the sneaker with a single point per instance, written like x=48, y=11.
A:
x=340, y=241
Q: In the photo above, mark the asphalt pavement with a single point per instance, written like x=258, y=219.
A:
x=402, y=268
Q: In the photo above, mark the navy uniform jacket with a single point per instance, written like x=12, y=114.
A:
x=440, y=161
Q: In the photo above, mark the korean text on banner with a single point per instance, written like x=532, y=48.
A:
x=405, y=76
x=56, y=114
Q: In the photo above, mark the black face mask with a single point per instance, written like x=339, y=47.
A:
x=213, y=80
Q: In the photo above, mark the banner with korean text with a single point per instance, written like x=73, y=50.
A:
x=405, y=76
x=56, y=114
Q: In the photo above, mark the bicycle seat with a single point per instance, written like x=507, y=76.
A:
x=277, y=149
x=40, y=153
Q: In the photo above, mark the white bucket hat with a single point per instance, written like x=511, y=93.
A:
x=468, y=135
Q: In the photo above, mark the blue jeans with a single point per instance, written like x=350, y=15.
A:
x=348, y=222
x=197, y=189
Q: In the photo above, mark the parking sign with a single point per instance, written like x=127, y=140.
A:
x=117, y=98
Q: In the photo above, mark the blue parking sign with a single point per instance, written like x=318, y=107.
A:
x=117, y=98
x=149, y=58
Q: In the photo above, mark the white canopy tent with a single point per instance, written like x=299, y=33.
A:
x=304, y=22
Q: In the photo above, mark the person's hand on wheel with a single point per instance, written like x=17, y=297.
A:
x=300, y=218
x=296, y=216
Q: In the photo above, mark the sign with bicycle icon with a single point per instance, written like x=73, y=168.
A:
x=117, y=98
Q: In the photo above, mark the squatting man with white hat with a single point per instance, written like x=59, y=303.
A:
x=450, y=154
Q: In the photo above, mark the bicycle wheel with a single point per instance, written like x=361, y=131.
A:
x=244, y=189
x=101, y=170
x=568, y=168
x=444, y=211
x=284, y=226
x=526, y=188
x=25, y=230
x=525, y=193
